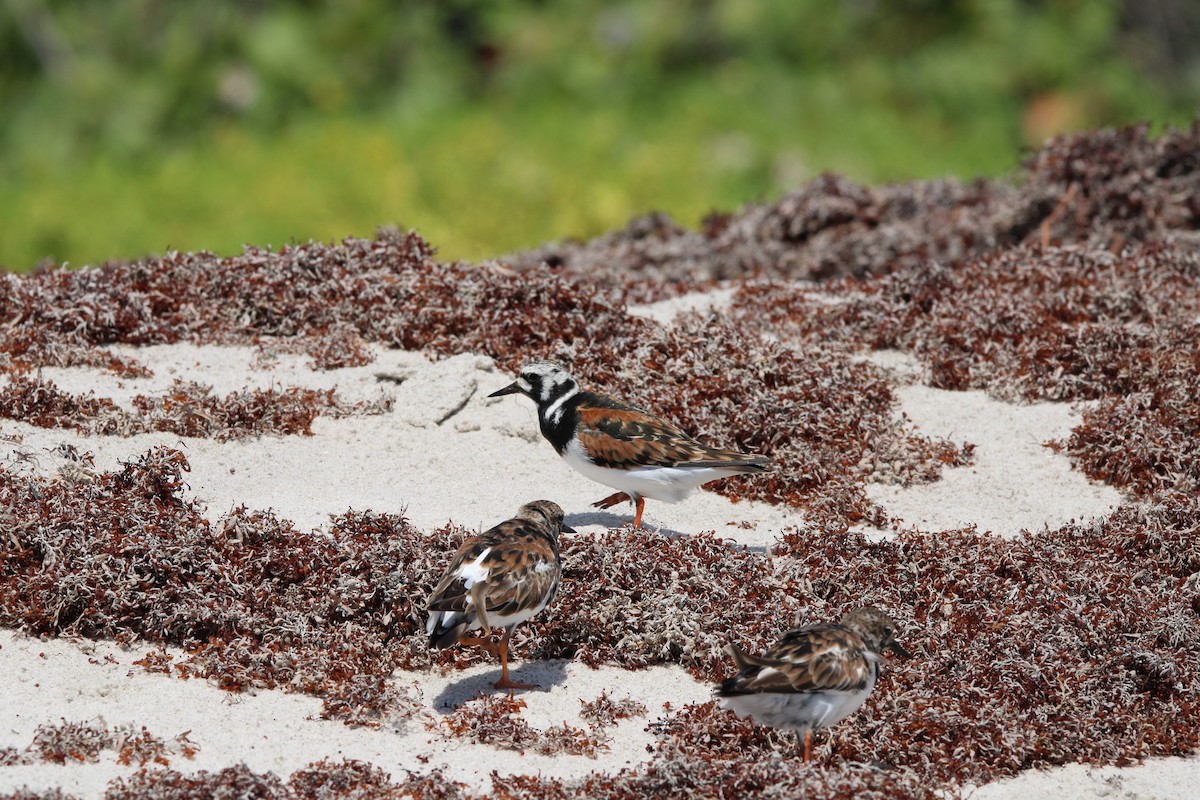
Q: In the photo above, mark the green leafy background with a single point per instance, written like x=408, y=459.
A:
x=136, y=126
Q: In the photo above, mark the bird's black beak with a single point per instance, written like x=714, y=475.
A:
x=567, y=529
x=512, y=388
x=898, y=649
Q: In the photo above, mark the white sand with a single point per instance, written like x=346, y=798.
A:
x=666, y=311
x=1015, y=484
x=448, y=453
x=49, y=680
x=475, y=468
x=1156, y=779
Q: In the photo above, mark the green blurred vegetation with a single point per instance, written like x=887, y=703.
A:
x=135, y=126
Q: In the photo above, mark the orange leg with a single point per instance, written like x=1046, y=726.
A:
x=807, y=746
x=504, y=682
x=611, y=500
x=619, y=497
x=485, y=644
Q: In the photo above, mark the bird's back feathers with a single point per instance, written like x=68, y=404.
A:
x=823, y=657
x=501, y=577
x=616, y=434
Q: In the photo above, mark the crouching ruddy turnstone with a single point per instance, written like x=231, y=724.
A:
x=499, y=579
x=621, y=446
x=813, y=677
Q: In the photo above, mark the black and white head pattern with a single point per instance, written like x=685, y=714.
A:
x=548, y=385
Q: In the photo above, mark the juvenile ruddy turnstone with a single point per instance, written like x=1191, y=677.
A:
x=499, y=579
x=622, y=446
x=813, y=677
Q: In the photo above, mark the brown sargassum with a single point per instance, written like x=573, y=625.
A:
x=1078, y=283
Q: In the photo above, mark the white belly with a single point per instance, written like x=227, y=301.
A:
x=448, y=619
x=668, y=484
x=795, y=710
x=498, y=621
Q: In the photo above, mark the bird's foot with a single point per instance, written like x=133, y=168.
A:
x=486, y=645
x=611, y=500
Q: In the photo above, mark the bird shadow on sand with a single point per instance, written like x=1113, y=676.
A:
x=545, y=674
x=608, y=519
x=611, y=520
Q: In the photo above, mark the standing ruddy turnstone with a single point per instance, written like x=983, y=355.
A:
x=499, y=579
x=813, y=677
x=620, y=445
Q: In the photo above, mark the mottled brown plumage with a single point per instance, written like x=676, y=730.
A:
x=618, y=435
x=499, y=579
x=814, y=676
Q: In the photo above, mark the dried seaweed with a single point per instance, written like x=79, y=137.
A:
x=713, y=377
x=1072, y=645
x=495, y=719
x=1104, y=189
x=78, y=742
x=31, y=794
x=167, y=784
x=604, y=712
x=356, y=780
x=1034, y=324
x=186, y=409
x=1076, y=644
x=256, y=602
x=322, y=780
x=1148, y=438
x=1027, y=323
x=832, y=227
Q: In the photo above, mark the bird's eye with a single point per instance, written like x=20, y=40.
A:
x=887, y=631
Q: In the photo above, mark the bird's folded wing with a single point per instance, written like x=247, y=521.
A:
x=522, y=573
x=821, y=658
x=617, y=436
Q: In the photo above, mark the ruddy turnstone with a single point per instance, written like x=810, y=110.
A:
x=499, y=579
x=621, y=446
x=813, y=677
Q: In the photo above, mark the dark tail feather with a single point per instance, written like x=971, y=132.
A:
x=740, y=656
x=747, y=664
x=738, y=461
x=448, y=630
x=729, y=686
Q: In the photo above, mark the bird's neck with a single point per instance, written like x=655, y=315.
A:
x=540, y=529
x=557, y=415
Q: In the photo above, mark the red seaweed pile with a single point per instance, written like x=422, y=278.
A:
x=1079, y=283
x=826, y=420
x=186, y=409
x=1072, y=645
x=83, y=742
x=495, y=719
x=1102, y=189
